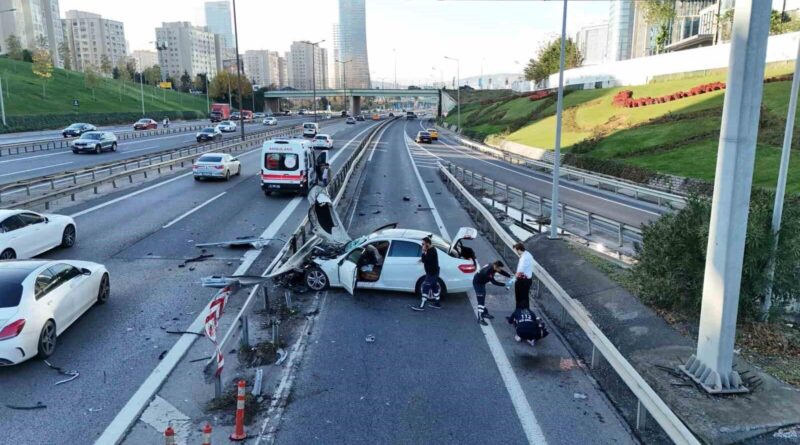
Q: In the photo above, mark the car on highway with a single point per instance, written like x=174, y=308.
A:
x=410, y=115
x=145, y=124
x=302, y=112
x=376, y=117
x=360, y=118
x=270, y=121
x=391, y=114
x=333, y=259
x=227, y=126
x=259, y=115
x=40, y=299
x=209, y=134
x=246, y=116
x=310, y=129
x=95, y=142
x=77, y=130
x=350, y=121
x=344, y=113
x=287, y=112
x=322, y=141
x=434, y=133
x=235, y=116
x=216, y=166
x=25, y=234
x=424, y=136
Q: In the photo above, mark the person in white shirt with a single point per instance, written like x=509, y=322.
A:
x=524, y=277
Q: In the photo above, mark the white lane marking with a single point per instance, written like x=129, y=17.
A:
x=169, y=224
x=436, y=215
x=34, y=169
x=116, y=430
x=34, y=157
x=375, y=146
x=138, y=149
x=160, y=414
x=527, y=418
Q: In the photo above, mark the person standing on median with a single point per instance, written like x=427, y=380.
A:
x=430, y=286
x=479, y=282
x=523, y=277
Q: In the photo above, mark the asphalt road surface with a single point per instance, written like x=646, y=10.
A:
x=40, y=163
x=142, y=239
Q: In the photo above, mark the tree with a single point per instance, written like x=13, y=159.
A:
x=115, y=73
x=660, y=13
x=42, y=67
x=548, y=60
x=221, y=86
x=122, y=74
x=14, y=47
x=186, y=82
x=27, y=56
x=130, y=67
x=199, y=83
x=92, y=79
x=105, y=64
x=152, y=75
x=65, y=54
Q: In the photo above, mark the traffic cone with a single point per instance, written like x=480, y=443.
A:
x=207, y=435
x=169, y=436
x=238, y=432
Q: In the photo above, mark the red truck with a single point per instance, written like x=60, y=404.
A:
x=220, y=112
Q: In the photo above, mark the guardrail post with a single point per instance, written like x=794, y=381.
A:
x=641, y=415
x=94, y=177
x=595, y=357
x=589, y=224
x=218, y=386
x=245, y=337
x=620, y=240
x=539, y=205
x=52, y=184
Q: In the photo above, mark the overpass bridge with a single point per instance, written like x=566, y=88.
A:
x=272, y=98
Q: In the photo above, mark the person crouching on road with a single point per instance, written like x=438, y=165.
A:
x=523, y=277
x=430, y=287
x=479, y=282
x=528, y=327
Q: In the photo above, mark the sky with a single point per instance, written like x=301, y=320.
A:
x=483, y=35
x=489, y=36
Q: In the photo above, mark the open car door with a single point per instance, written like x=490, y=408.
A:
x=348, y=270
x=325, y=222
x=464, y=233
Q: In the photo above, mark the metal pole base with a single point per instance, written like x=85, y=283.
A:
x=710, y=380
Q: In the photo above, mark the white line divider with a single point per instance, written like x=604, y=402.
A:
x=198, y=207
x=116, y=430
x=533, y=432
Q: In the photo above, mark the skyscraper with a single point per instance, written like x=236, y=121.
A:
x=351, y=42
x=190, y=49
x=218, y=21
x=33, y=21
x=301, y=58
x=90, y=37
x=620, y=29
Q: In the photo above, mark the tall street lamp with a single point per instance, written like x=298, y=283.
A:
x=458, y=91
x=238, y=67
x=314, y=74
x=344, y=81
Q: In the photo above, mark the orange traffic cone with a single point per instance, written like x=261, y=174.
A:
x=238, y=432
x=169, y=436
x=207, y=435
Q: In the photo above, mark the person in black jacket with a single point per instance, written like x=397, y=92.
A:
x=527, y=326
x=479, y=282
x=430, y=286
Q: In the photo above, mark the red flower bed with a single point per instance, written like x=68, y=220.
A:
x=625, y=97
x=539, y=95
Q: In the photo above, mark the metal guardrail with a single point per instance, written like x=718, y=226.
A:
x=525, y=207
x=336, y=187
x=59, y=143
x=649, y=401
x=72, y=177
x=585, y=177
x=170, y=164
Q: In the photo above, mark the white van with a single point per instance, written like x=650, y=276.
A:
x=310, y=129
x=290, y=165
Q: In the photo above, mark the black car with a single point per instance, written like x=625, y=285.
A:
x=215, y=116
x=360, y=118
x=344, y=113
x=209, y=134
x=77, y=130
x=424, y=136
x=391, y=114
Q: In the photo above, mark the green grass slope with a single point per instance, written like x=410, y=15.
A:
x=679, y=137
x=112, y=101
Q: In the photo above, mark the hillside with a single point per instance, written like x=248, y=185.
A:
x=678, y=137
x=111, y=102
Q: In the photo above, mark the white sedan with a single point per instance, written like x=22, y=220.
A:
x=216, y=165
x=270, y=121
x=40, y=299
x=25, y=234
x=226, y=126
x=333, y=259
x=322, y=141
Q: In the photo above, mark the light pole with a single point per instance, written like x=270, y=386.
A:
x=314, y=74
x=394, y=50
x=344, y=80
x=238, y=67
x=458, y=91
x=141, y=82
x=557, y=148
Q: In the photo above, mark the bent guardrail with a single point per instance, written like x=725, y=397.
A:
x=649, y=401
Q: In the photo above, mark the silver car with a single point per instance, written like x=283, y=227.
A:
x=95, y=142
x=216, y=166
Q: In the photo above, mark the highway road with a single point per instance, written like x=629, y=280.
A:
x=25, y=136
x=40, y=163
x=599, y=202
x=142, y=239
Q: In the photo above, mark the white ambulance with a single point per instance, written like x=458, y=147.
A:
x=290, y=165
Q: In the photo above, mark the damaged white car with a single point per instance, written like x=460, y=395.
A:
x=386, y=259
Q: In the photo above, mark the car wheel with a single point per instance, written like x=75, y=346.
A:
x=105, y=290
x=68, y=237
x=75, y=151
x=114, y=146
x=316, y=279
x=8, y=254
x=227, y=175
x=97, y=149
x=239, y=170
x=418, y=288
x=47, y=340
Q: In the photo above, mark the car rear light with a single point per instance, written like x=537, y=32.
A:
x=12, y=330
x=219, y=167
x=467, y=268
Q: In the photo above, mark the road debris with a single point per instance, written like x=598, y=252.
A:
x=406, y=198
x=281, y=356
x=580, y=396
x=258, y=382
x=72, y=374
x=94, y=410
x=241, y=241
x=39, y=405
x=370, y=338
x=184, y=332
x=219, y=281
x=198, y=258
x=162, y=355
